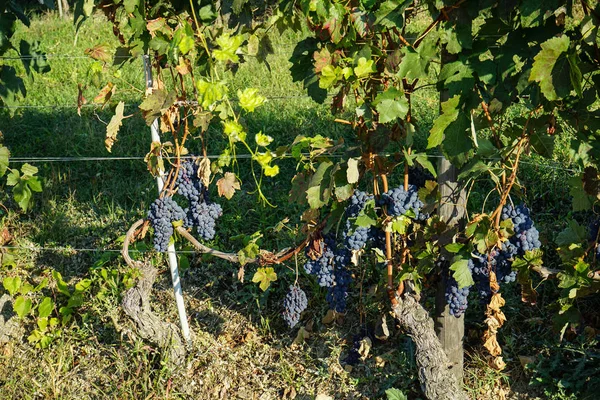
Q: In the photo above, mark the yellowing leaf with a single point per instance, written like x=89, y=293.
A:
x=364, y=67
x=229, y=46
x=227, y=185
x=250, y=99
x=234, y=130
x=265, y=276
x=262, y=140
x=271, y=170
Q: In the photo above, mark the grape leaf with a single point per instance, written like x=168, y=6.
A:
x=250, y=99
x=100, y=52
x=265, y=276
x=391, y=105
x=4, y=155
x=415, y=63
x=227, y=185
x=12, y=285
x=573, y=233
x=45, y=308
x=449, y=115
x=364, y=67
x=156, y=104
x=112, y=129
x=22, y=306
x=462, y=274
x=544, y=63
x=352, y=173
x=395, y=394
x=457, y=144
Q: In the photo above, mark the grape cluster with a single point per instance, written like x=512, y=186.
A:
x=457, y=298
x=357, y=203
x=400, y=201
x=294, y=303
x=163, y=212
x=201, y=213
x=357, y=239
x=526, y=238
x=418, y=175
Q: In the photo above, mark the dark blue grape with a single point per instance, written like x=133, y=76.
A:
x=294, y=303
x=399, y=201
x=163, y=212
x=357, y=203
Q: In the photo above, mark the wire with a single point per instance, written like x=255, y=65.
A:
x=53, y=106
x=60, y=249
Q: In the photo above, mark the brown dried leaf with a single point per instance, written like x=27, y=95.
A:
x=330, y=317
x=5, y=237
x=240, y=274
x=497, y=363
x=494, y=282
x=382, y=332
x=227, y=185
x=153, y=159
x=497, y=302
x=183, y=67
x=365, y=347
x=591, y=181
x=204, y=171
x=301, y=337
x=100, y=52
x=80, y=99
x=112, y=129
x=492, y=345
x=524, y=360
x=105, y=94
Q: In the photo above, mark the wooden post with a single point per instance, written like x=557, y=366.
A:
x=452, y=210
x=450, y=330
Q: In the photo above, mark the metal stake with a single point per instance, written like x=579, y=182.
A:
x=185, y=329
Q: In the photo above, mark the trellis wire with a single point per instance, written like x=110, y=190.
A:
x=242, y=156
x=60, y=249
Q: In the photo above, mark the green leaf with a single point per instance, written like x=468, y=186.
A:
x=329, y=76
x=45, y=308
x=130, y=5
x=13, y=178
x=265, y=276
x=400, y=224
x=462, y=274
x=395, y=394
x=61, y=285
x=229, y=45
x=28, y=170
x=544, y=63
x=4, y=155
x=415, y=63
x=449, y=115
x=573, y=233
x=83, y=285
x=210, y=92
x=250, y=99
x=391, y=105
x=22, y=306
x=364, y=67
x=390, y=14
x=12, y=285
x=319, y=193
x=454, y=247
x=22, y=195
x=457, y=144
x=156, y=104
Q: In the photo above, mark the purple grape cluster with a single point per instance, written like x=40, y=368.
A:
x=163, y=212
x=357, y=203
x=526, y=238
x=457, y=299
x=399, y=201
x=294, y=303
x=201, y=214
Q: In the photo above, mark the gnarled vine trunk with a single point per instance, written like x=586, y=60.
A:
x=438, y=382
x=136, y=304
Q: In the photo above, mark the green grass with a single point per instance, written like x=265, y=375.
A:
x=241, y=346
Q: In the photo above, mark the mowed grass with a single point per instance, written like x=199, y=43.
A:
x=241, y=347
